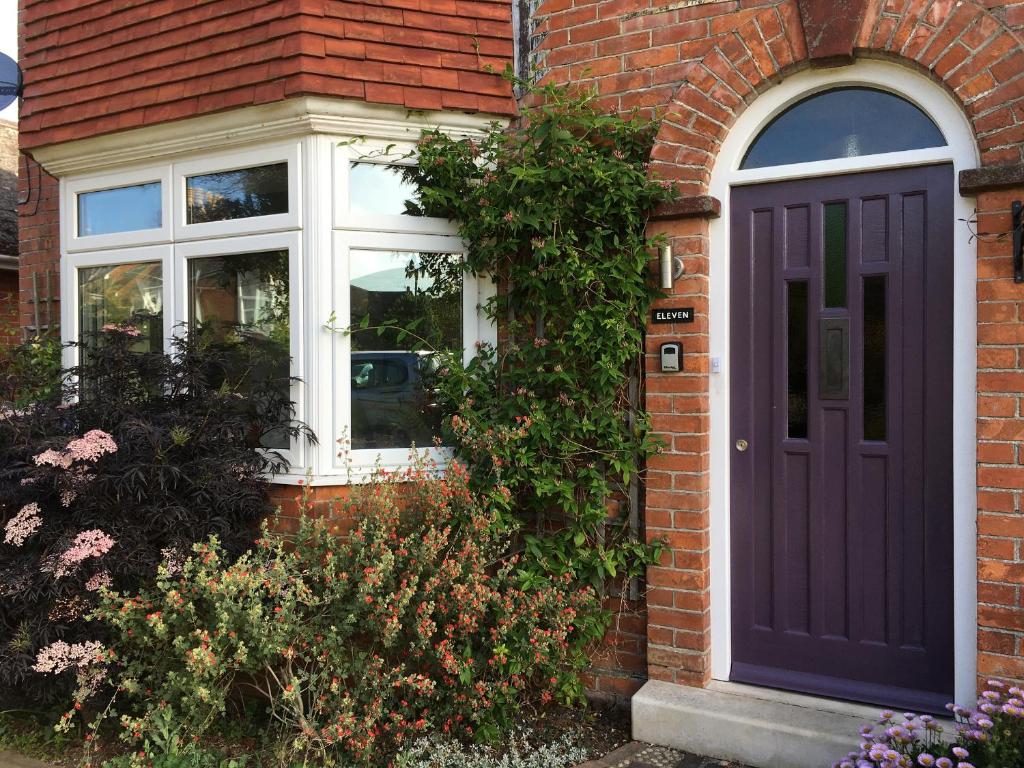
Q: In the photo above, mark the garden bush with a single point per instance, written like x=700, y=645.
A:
x=989, y=735
x=144, y=455
x=30, y=372
x=355, y=647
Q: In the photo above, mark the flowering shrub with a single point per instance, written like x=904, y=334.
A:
x=148, y=456
x=991, y=735
x=30, y=372
x=416, y=623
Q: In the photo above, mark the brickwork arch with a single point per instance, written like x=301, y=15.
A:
x=960, y=44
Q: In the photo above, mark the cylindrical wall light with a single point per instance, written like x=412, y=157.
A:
x=665, y=253
x=671, y=267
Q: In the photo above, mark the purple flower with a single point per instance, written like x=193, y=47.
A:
x=943, y=762
x=926, y=760
x=961, y=753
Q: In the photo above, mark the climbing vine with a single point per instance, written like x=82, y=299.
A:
x=554, y=209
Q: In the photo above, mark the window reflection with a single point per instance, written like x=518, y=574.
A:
x=392, y=402
x=240, y=303
x=843, y=122
x=124, y=295
x=240, y=194
x=123, y=209
x=379, y=189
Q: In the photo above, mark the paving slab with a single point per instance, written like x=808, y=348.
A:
x=640, y=755
x=12, y=760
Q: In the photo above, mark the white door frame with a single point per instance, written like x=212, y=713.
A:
x=962, y=152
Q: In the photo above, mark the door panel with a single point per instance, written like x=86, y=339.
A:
x=842, y=385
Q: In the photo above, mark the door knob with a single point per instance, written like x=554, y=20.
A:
x=742, y=445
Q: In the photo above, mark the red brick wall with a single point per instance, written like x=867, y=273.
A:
x=698, y=67
x=38, y=220
x=98, y=66
x=1000, y=448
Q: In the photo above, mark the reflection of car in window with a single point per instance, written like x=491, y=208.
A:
x=390, y=407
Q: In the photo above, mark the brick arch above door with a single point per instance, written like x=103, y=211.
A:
x=959, y=43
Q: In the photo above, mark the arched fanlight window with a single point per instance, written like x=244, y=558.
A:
x=844, y=122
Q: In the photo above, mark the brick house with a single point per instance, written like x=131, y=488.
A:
x=841, y=488
x=9, y=331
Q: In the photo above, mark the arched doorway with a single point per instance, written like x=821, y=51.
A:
x=842, y=304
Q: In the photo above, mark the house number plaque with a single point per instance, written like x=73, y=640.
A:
x=672, y=315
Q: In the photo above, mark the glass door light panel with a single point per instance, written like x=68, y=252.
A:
x=796, y=352
x=875, y=347
x=129, y=296
x=121, y=209
x=379, y=189
x=240, y=303
x=392, y=404
x=239, y=194
x=843, y=122
x=834, y=244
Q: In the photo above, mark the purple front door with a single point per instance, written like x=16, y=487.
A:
x=841, y=427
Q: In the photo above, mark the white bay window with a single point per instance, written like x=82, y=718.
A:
x=281, y=245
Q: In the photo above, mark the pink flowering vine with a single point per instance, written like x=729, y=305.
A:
x=23, y=525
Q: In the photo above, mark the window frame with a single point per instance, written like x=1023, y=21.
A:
x=378, y=153
x=360, y=463
x=295, y=454
x=239, y=160
x=80, y=185
x=75, y=262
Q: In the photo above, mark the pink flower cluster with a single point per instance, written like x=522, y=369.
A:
x=98, y=581
x=90, y=447
x=23, y=525
x=60, y=656
x=92, y=543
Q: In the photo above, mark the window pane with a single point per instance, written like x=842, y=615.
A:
x=260, y=191
x=240, y=302
x=796, y=307
x=874, y=358
x=124, y=209
x=378, y=189
x=844, y=122
x=126, y=294
x=835, y=254
x=391, y=407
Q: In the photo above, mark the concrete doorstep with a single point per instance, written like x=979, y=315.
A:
x=745, y=724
